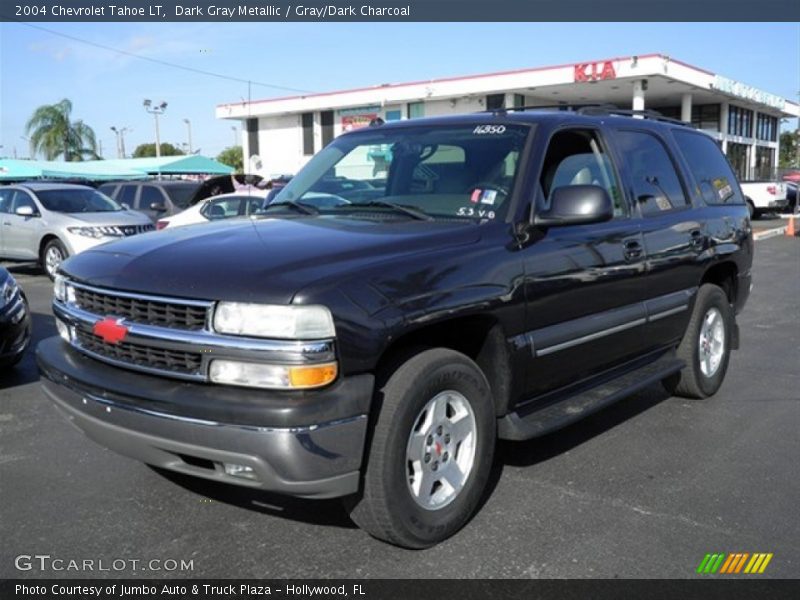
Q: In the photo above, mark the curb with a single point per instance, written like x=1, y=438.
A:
x=765, y=234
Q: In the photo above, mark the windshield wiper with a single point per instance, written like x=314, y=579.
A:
x=414, y=213
x=298, y=206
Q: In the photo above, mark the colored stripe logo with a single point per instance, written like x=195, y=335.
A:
x=734, y=563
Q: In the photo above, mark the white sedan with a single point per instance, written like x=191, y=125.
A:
x=224, y=206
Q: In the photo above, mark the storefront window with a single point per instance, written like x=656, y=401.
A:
x=737, y=156
x=764, y=161
x=706, y=116
x=495, y=101
x=416, y=110
x=307, y=122
x=767, y=128
x=740, y=121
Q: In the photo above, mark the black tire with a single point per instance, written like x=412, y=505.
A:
x=751, y=208
x=386, y=508
x=692, y=382
x=54, y=244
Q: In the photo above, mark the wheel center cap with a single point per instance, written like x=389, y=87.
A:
x=438, y=448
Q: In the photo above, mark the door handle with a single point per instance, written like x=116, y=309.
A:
x=633, y=250
x=6, y=223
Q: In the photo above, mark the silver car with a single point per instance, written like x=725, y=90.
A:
x=47, y=222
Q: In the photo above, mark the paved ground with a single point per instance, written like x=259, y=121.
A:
x=643, y=489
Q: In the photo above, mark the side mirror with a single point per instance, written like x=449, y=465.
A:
x=576, y=205
x=25, y=211
x=158, y=207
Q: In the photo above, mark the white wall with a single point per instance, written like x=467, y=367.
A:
x=280, y=145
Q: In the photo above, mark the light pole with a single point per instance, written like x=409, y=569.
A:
x=189, y=131
x=120, y=134
x=235, y=135
x=155, y=110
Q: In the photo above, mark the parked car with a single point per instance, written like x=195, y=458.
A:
x=155, y=198
x=47, y=222
x=516, y=272
x=15, y=321
x=224, y=206
x=792, y=197
x=764, y=196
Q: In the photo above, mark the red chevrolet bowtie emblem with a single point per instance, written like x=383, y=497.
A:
x=110, y=330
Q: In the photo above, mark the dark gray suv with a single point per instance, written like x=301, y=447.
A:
x=156, y=199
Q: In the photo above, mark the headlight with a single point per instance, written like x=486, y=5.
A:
x=286, y=377
x=8, y=290
x=62, y=290
x=274, y=321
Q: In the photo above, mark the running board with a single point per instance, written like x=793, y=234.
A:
x=534, y=419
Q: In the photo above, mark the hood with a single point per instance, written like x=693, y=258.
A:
x=262, y=260
x=117, y=217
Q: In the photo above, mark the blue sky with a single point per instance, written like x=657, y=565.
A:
x=107, y=89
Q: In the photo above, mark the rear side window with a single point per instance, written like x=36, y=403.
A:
x=126, y=195
x=108, y=189
x=6, y=196
x=150, y=195
x=655, y=183
x=224, y=208
x=715, y=180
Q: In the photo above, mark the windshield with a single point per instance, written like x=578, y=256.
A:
x=76, y=201
x=181, y=195
x=461, y=172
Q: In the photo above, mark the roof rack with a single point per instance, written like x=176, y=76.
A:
x=570, y=107
x=611, y=110
x=594, y=110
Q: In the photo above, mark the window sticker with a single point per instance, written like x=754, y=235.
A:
x=723, y=187
x=663, y=203
x=488, y=197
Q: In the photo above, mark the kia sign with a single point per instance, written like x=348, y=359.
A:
x=595, y=71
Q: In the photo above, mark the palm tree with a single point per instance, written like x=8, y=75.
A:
x=52, y=133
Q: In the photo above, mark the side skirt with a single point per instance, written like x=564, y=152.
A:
x=553, y=411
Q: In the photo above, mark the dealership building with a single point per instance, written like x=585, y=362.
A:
x=280, y=134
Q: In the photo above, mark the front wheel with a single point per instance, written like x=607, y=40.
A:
x=706, y=346
x=431, y=451
x=53, y=255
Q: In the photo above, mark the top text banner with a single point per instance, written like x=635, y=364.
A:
x=401, y=10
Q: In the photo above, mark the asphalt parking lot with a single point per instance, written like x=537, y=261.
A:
x=643, y=489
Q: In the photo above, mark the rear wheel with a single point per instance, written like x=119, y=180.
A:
x=705, y=347
x=430, y=453
x=751, y=208
x=53, y=255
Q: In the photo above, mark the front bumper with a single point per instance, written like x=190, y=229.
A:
x=294, y=444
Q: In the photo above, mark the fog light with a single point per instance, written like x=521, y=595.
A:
x=284, y=377
x=63, y=330
x=242, y=471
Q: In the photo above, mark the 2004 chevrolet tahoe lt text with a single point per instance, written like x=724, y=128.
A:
x=418, y=290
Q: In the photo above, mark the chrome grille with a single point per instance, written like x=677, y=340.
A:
x=142, y=310
x=125, y=230
x=175, y=361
